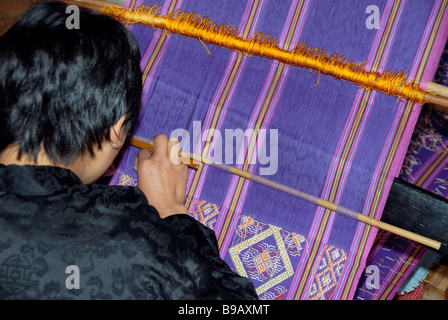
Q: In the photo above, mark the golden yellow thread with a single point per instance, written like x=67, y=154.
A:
x=263, y=45
x=206, y=49
x=317, y=82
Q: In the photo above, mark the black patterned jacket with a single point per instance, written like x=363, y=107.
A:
x=61, y=239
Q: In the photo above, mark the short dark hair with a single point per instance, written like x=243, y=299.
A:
x=62, y=88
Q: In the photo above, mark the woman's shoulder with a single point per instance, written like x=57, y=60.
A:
x=115, y=195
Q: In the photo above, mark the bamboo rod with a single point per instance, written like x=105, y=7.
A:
x=439, y=108
x=438, y=103
x=95, y=5
x=187, y=159
x=437, y=89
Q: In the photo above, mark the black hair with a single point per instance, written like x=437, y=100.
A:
x=62, y=89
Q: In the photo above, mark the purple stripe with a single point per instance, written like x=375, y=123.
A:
x=438, y=46
x=243, y=195
x=428, y=163
x=441, y=166
x=357, y=101
x=366, y=116
x=352, y=152
x=252, y=122
x=361, y=227
x=157, y=63
x=382, y=159
x=382, y=28
x=425, y=38
x=211, y=111
x=385, y=281
x=259, y=106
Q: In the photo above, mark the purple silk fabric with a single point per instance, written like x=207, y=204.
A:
x=335, y=140
x=425, y=165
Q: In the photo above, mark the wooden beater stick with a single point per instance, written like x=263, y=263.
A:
x=437, y=89
x=186, y=159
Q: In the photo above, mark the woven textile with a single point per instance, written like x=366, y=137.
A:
x=425, y=165
x=427, y=156
x=335, y=140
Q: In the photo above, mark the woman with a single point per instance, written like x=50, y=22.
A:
x=68, y=98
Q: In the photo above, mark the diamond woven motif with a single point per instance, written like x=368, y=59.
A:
x=205, y=213
x=328, y=273
x=262, y=261
x=265, y=253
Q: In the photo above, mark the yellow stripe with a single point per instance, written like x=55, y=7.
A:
x=159, y=45
x=395, y=144
x=400, y=273
x=221, y=102
x=342, y=162
x=266, y=104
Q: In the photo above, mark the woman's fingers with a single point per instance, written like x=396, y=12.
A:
x=174, y=149
x=161, y=178
x=160, y=145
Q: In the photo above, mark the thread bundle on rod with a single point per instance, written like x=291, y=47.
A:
x=262, y=45
x=186, y=159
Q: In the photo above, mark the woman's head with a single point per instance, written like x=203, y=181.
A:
x=62, y=90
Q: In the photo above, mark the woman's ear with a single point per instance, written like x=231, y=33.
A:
x=118, y=134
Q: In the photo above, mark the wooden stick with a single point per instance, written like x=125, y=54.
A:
x=95, y=5
x=143, y=143
x=438, y=103
x=186, y=159
x=438, y=89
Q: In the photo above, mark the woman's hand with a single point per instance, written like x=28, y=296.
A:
x=163, y=181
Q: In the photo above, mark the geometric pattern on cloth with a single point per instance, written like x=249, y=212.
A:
x=329, y=271
x=395, y=257
x=205, y=213
x=264, y=252
x=426, y=162
x=127, y=180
